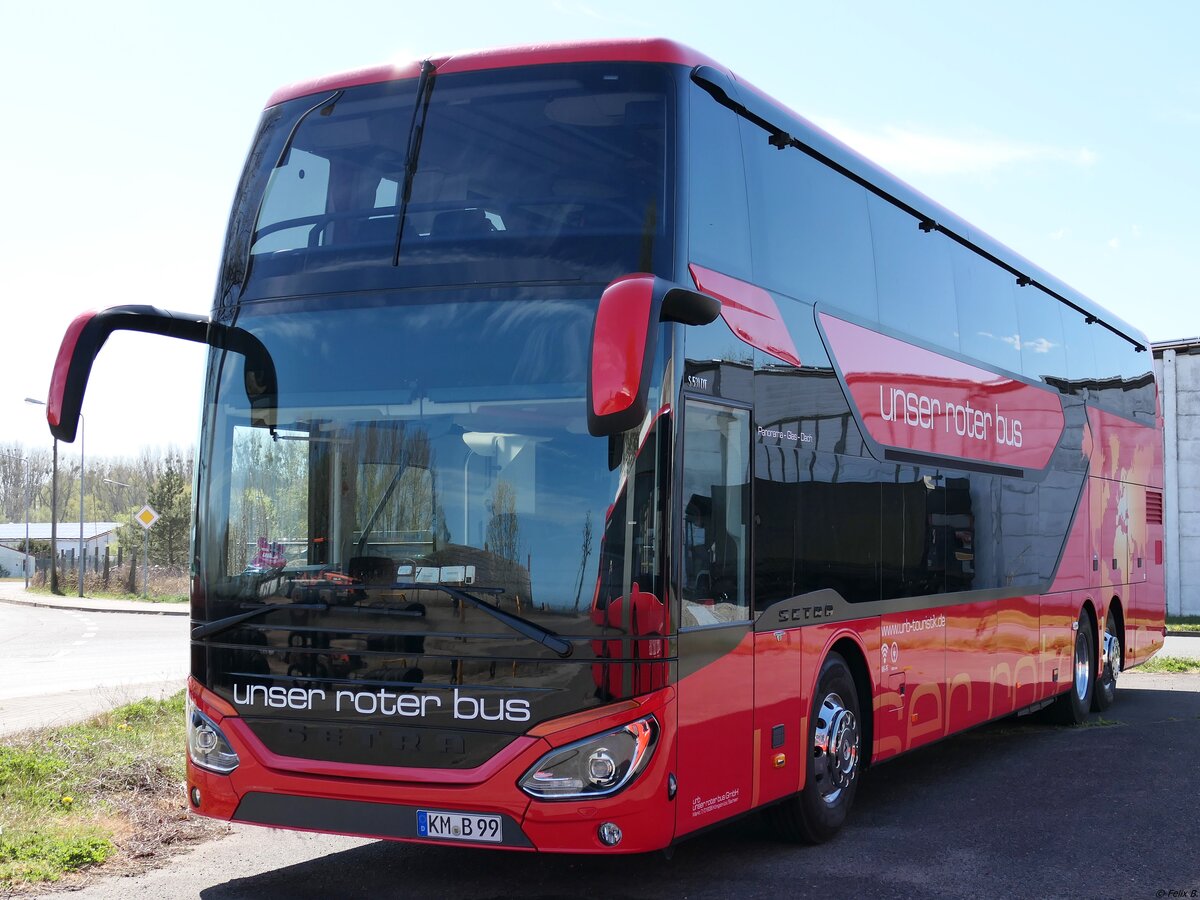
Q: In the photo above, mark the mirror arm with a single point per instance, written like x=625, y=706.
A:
x=88, y=332
x=688, y=307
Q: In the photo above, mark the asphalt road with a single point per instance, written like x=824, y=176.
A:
x=61, y=665
x=1014, y=809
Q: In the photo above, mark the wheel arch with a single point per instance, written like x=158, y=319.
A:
x=1118, y=610
x=852, y=652
x=1089, y=609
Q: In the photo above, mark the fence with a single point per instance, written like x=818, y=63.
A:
x=105, y=572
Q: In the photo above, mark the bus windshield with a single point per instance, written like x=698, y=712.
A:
x=556, y=172
x=423, y=448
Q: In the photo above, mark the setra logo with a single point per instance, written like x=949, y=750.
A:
x=806, y=613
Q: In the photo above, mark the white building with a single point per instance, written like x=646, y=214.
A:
x=1177, y=368
x=97, y=537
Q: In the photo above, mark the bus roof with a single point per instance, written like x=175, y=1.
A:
x=817, y=141
x=654, y=50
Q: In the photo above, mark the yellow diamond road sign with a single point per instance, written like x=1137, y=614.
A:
x=146, y=516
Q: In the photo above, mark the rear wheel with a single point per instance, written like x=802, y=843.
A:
x=1072, y=707
x=1111, y=646
x=833, y=749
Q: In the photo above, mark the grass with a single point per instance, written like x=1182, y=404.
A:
x=108, y=792
x=1173, y=665
x=1183, y=623
x=164, y=587
x=112, y=595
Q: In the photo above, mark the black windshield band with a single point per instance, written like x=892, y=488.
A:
x=524, y=627
x=210, y=628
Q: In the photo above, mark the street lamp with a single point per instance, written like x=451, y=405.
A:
x=82, y=568
x=53, y=509
x=81, y=563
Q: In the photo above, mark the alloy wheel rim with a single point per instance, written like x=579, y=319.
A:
x=1112, y=656
x=835, y=748
x=1082, y=667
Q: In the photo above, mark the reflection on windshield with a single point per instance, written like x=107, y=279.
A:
x=429, y=515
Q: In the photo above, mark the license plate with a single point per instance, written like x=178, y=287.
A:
x=455, y=826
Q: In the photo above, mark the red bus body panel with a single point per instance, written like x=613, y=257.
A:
x=734, y=721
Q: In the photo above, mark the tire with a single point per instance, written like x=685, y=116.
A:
x=1112, y=646
x=833, y=751
x=1072, y=708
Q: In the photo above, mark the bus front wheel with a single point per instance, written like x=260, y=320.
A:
x=833, y=750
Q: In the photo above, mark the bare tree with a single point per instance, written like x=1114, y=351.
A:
x=585, y=551
x=22, y=470
x=504, y=528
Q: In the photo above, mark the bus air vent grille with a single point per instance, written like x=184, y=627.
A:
x=1154, y=507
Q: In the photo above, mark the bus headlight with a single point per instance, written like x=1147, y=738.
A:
x=207, y=746
x=594, y=767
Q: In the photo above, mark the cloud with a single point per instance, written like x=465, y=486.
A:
x=1013, y=340
x=927, y=153
x=1114, y=243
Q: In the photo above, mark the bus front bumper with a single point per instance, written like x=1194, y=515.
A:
x=448, y=807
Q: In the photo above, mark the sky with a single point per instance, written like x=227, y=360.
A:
x=1067, y=130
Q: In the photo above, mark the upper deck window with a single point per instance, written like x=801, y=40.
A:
x=541, y=173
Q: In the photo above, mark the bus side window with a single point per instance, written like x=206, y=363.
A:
x=718, y=221
x=810, y=232
x=916, y=282
x=1080, y=337
x=1043, y=347
x=987, y=311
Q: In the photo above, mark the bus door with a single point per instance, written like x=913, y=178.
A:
x=716, y=660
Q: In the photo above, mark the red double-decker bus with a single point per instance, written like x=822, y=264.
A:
x=594, y=451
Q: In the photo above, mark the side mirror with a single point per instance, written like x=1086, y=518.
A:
x=87, y=334
x=631, y=307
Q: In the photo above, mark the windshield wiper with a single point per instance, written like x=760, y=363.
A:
x=209, y=629
x=416, y=131
x=524, y=627
x=387, y=495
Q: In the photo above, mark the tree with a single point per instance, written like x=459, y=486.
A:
x=252, y=516
x=12, y=482
x=21, y=467
x=585, y=551
x=171, y=497
x=504, y=528
x=130, y=537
